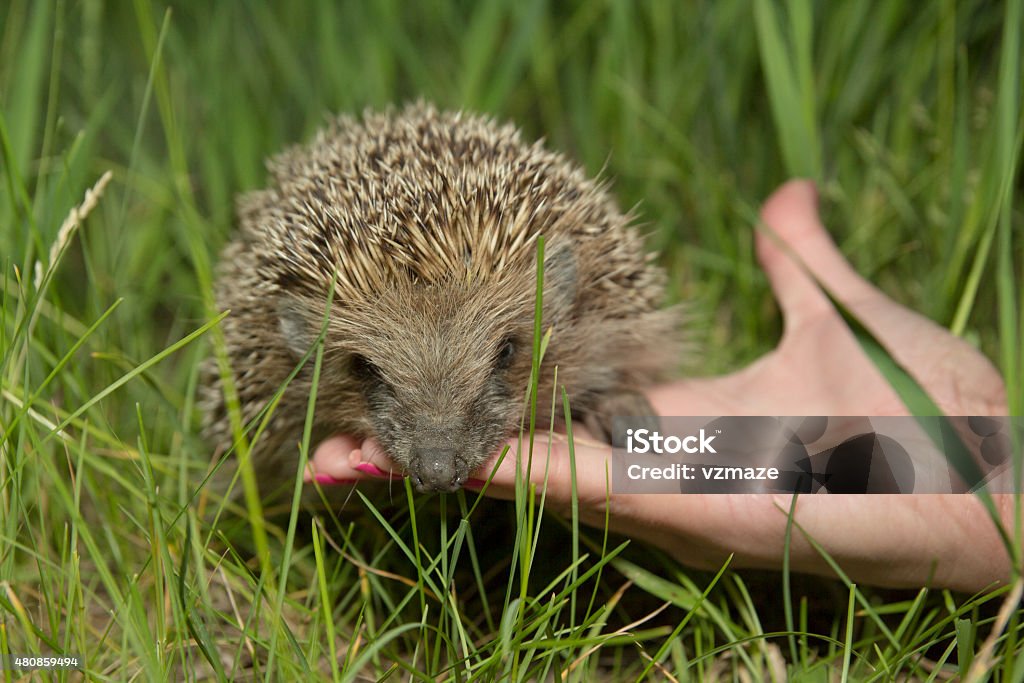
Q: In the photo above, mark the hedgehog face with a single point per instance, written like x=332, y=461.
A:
x=444, y=377
x=441, y=419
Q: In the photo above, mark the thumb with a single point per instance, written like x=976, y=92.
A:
x=790, y=216
x=956, y=374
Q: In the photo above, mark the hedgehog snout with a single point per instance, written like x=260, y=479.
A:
x=435, y=469
x=435, y=465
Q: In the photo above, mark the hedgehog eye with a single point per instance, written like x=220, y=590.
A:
x=362, y=368
x=506, y=352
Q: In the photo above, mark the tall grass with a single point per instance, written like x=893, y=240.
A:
x=907, y=114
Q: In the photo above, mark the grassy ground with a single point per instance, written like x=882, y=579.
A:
x=908, y=115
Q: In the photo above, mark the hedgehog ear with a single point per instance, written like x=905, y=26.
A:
x=295, y=328
x=559, y=280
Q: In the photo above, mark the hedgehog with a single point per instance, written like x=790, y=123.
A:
x=418, y=229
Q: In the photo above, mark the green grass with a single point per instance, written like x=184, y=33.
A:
x=907, y=114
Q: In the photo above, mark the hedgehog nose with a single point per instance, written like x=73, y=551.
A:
x=434, y=469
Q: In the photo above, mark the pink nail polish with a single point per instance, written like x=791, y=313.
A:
x=473, y=483
x=372, y=470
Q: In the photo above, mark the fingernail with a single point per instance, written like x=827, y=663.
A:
x=372, y=470
x=328, y=480
x=475, y=484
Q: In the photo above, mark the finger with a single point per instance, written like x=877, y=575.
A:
x=792, y=214
x=371, y=459
x=946, y=366
x=338, y=460
x=552, y=467
x=798, y=293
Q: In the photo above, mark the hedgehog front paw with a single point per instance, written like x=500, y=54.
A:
x=628, y=404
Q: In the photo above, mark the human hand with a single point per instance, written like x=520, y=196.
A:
x=818, y=368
